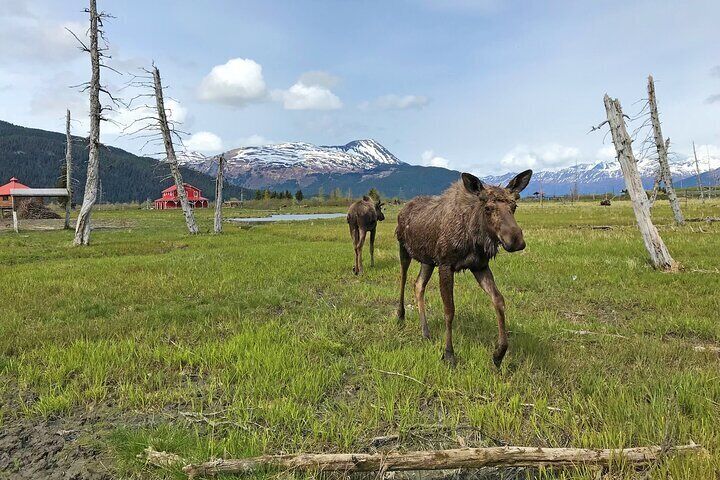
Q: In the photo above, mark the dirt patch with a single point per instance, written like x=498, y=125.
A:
x=65, y=448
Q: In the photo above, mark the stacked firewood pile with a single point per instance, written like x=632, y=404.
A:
x=34, y=209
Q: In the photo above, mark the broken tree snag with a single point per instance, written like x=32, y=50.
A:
x=82, y=228
x=219, y=194
x=662, y=149
x=439, y=459
x=68, y=170
x=170, y=153
x=697, y=174
x=659, y=254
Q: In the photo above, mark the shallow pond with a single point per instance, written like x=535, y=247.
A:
x=288, y=217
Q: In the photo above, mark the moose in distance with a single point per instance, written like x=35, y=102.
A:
x=362, y=218
x=458, y=230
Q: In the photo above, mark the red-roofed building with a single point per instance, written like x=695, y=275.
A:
x=5, y=201
x=170, y=198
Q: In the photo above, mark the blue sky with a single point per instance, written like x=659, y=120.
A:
x=486, y=86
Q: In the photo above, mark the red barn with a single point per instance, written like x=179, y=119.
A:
x=5, y=201
x=171, y=199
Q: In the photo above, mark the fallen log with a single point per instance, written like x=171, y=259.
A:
x=438, y=459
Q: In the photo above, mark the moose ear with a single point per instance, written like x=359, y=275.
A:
x=366, y=198
x=472, y=183
x=521, y=181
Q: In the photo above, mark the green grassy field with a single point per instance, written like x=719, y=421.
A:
x=261, y=340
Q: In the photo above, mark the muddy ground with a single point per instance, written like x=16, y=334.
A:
x=70, y=448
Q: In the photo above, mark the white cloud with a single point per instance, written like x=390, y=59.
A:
x=203, y=142
x=395, y=102
x=430, y=159
x=544, y=157
x=607, y=153
x=237, y=82
x=307, y=97
x=254, y=140
x=310, y=92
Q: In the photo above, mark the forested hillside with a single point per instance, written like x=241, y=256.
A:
x=36, y=158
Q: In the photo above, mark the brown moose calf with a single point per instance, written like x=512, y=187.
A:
x=362, y=217
x=458, y=230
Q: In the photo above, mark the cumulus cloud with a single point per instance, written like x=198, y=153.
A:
x=545, y=157
x=237, y=82
x=713, y=99
x=203, y=142
x=430, y=159
x=254, y=140
x=606, y=153
x=310, y=92
x=395, y=102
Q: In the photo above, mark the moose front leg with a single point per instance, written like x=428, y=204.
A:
x=487, y=282
x=372, y=247
x=447, y=281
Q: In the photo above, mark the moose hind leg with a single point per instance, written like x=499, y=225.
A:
x=358, y=249
x=355, y=234
x=447, y=281
x=426, y=271
x=487, y=282
x=404, y=264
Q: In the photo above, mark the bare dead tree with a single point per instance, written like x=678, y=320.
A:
x=219, y=194
x=170, y=153
x=662, y=150
x=97, y=54
x=68, y=170
x=697, y=172
x=656, y=187
x=659, y=254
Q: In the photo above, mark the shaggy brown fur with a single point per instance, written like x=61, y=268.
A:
x=458, y=230
x=362, y=217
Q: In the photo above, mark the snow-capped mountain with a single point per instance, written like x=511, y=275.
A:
x=299, y=162
x=605, y=176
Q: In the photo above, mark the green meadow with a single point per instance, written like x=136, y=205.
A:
x=261, y=340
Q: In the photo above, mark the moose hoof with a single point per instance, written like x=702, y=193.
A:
x=355, y=271
x=449, y=358
x=498, y=355
x=426, y=334
x=401, y=315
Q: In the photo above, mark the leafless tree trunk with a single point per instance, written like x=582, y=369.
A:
x=68, y=170
x=656, y=187
x=509, y=456
x=662, y=149
x=219, y=194
x=170, y=153
x=697, y=170
x=659, y=254
x=82, y=229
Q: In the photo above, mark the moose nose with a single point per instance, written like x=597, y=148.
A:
x=516, y=244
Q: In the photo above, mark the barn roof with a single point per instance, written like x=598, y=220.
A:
x=174, y=187
x=13, y=184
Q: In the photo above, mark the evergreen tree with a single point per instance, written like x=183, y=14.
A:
x=258, y=194
x=374, y=194
x=288, y=195
x=299, y=196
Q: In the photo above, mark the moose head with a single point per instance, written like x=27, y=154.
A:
x=498, y=208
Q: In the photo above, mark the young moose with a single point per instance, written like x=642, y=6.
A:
x=362, y=217
x=458, y=230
